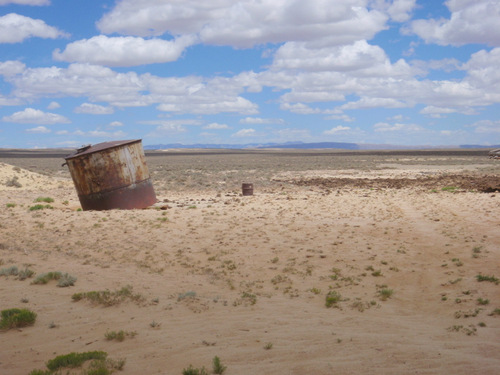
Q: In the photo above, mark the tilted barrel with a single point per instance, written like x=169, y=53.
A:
x=112, y=175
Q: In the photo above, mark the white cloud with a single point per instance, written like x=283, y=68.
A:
x=204, y=104
x=406, y=128
x=93, y=109
x=336, y=130
x=400, y=10
x=437, y=112
x=260, y=120
x=25, y=2
x=15, y=28
x=35, y=116
x=100, y=84
x=471, y=21
x=487, y=126
x=216, y=126
x=116, y=124
x=53, y=105
x=244, y=133
x=245, y=23
x=4, y=101
x=366, y=103
x=351, y=57
x=123, y=51
x=11, y=68
x=38, y=130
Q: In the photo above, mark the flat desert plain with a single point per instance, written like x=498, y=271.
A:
x=363, y=262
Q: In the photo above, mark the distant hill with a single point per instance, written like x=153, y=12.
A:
x=479, y=146
x=296, y=145
x=305, y=146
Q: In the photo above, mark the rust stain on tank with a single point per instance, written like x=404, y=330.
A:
x=112, y=175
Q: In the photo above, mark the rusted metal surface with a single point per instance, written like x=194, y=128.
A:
x=112, y=175
x=247, y=189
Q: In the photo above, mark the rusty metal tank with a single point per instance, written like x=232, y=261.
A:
x=112, y=175
x=247, y=189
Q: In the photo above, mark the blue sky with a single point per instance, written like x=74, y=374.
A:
x=408, y=72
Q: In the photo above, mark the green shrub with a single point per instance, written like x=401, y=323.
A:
x=332, y=298
x=10, y=271
x=118, y=336
x=99, y=364
x=217, y=366
x=44, y=199
x=194, y=371
x=491, y=279
x=73, y=360
x=40, y=207
x=108, y=298
x=385, y=293
x=15, y=318
x=63, y=280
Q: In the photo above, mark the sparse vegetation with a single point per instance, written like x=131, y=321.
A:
x=119, y=336
x=495, y=312
x=108, y=298
x=44, y=199
x=268, y=346
x=13, y=182
x=93, y=363
x=385, y=293
x=9, y=271
x=481, y=301
x=10, y=205
x=63, y=280
x=185, y=295
x=14, y=271
x=37, y=207
x=491, y=279
x=16, y=318
x=217, y=366
x=194, y=371
x=332, y=299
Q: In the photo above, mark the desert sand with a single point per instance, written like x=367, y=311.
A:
x=245, y=278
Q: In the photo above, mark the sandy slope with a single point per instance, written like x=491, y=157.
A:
x=226, y=275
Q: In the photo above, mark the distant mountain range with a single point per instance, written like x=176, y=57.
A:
x=303, y=145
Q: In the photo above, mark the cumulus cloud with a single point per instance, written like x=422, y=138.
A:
x=336, y=130
x=365, y=103
x=471, y=21
x=245, y=133
x=10, y=68
x=407, y=128
x=53, y=105
x=115, y=123
x=15, y=28
x=216, y=126
x=246, y=23
x=94, y=109
x=260, y=120
x=35, y=116
x=123, y=51
x=38, y=130
x=25, y=2
x=487, y=126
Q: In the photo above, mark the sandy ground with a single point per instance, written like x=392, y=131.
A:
x=245, y=278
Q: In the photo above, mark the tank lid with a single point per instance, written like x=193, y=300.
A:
x=85, y=150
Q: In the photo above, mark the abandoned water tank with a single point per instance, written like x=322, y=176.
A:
x=112, y=175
